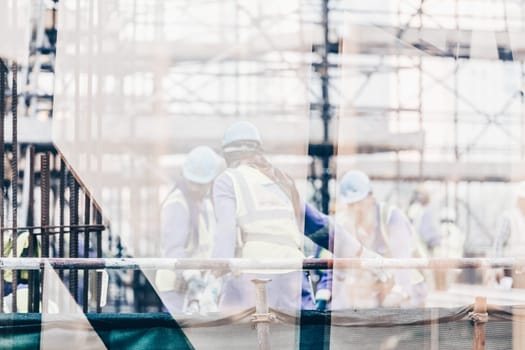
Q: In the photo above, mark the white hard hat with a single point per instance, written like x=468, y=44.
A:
x=201, y=165
x=241, y=131
x=354, y=187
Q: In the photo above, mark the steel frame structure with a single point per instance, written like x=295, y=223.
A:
x=326, y=96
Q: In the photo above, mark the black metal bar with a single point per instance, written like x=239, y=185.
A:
x=326, y=113
x=61, y=209
x=44, y=202
x=50, y=228
x=33, y=286
x=237, y=265
x=98, y=220
x=73, y=239
x=85, y=287
x=14, y=177
x=3, y=85
x=326, y=172
x=44, y=206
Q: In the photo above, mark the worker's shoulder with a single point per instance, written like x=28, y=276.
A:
x=394, y=214
x=176, y=197
x=229, y=175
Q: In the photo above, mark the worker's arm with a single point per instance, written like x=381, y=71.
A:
x=321, y=229
x=429, y=230
x=225, y=237
x=174, y=230
x=174, y=235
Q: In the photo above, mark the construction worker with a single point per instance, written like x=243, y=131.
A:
x=385, y=230
x=187, y=224
x=260, y=215
x=421, y=215
x=509, y=240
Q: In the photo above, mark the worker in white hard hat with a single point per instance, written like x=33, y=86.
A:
x=257, y=210
x=509, y=240
x=421, y=215
x=260, y=215
x=385, y=230
x=187, y=224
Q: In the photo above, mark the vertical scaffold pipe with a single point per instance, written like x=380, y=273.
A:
x=33, y=283
x=480, y=318
x=61, y=210
x=44, y=202
x=3, y=85
x=85, y=276
x=262, y=317
x=14, y=178
x=73, y=235
x=98, y=286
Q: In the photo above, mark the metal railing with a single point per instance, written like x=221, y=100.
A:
x=47, y=171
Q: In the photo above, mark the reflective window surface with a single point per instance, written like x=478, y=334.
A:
x=329, y=173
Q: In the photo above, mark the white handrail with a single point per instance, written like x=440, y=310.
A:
x=257, y=264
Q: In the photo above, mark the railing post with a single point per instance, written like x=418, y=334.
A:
x=262, y=316
x=479, y=316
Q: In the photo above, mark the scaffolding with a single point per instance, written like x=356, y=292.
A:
x=407, y=43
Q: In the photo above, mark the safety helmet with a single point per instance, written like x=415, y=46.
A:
x=238, y=133
x=354, y=187
x=421, y=194
x=201, y=165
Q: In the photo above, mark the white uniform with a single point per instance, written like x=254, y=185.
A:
x=391, y=237
x=184, y=235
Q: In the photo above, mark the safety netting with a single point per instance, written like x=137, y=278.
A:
x=442, y=328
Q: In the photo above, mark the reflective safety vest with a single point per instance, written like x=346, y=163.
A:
x=198, y=244
x=22, y=251
x=265, y=217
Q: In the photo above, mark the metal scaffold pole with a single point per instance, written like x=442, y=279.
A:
x=262, y=317
x=326, y=113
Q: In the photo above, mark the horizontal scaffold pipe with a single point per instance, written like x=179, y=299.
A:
x=257, y=264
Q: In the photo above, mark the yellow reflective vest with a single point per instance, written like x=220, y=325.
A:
x=22, y=247
x=265, y=217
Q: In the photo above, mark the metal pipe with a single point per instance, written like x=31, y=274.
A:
x=98, y=221
x=61, y=209
x=73, y=238
x=480, y=317
x=33, y=282
x=61, y=229
x=326, y=113
x=44, y=202
x=3, y=81
x=14, y=178
x=262, y=316
x=85, y=274
x=263, y=265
